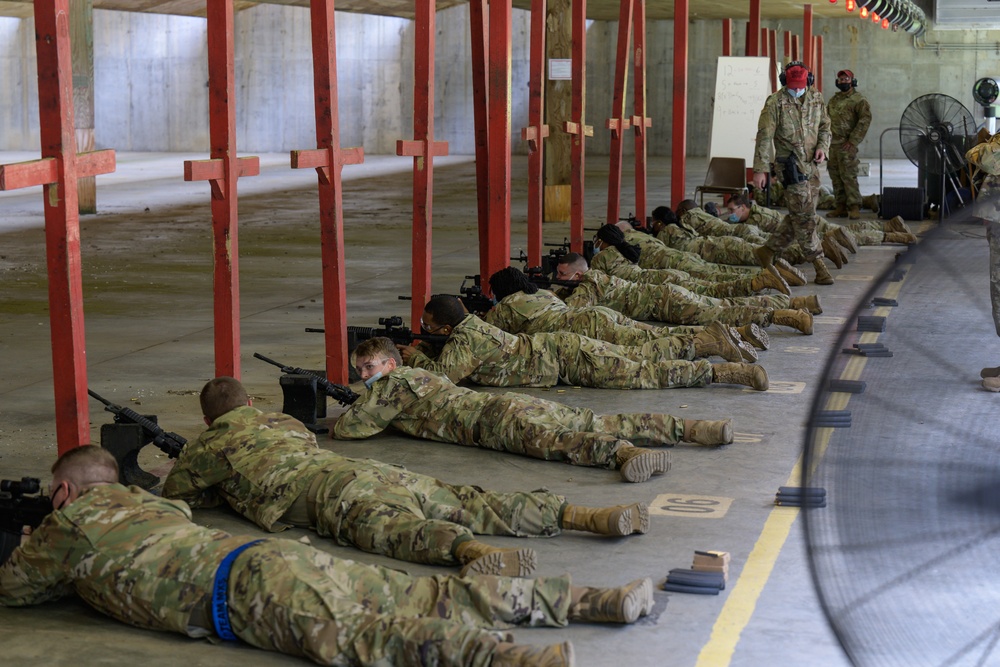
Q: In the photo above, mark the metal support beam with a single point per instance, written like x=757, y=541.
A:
x=640, y=121
x=498, y=238
x=480, y=111
x=679, y=135
x=536, y=132
x=328, y=159
x=619, y=122
x=577, y=126
x=59, y=171
x=222, y=172
x=423, y=148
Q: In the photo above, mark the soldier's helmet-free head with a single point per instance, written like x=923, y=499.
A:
x=509, y=281
x=846, y=80
x=796, y=77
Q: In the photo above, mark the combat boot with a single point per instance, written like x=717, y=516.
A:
x=854, y=213
x=801, y=320
x=870, y=201
x=755, y=335
x=810, y=303
x=637, y=464
x=625, y=604
x=991, y=372
x=899, y=237
x=750, y=375
x=844, y=237
x=839, y=212
x=991, y=384
x=527, y=655
x=480, y=558
x=714, y=341
x=823, y=276
x=832, y=250
x=767, y=280
x=618, y=520
x=792, y=276
x=748, y=351
x=896, y=224
x=705, y=432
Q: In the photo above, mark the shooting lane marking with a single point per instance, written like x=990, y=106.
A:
x=780, y=387
x=801, y=349
x=742, y=601
x=690, y=506
x=828, y=319
x=748, y=438
x=860, y=279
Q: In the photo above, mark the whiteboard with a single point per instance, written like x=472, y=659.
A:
x=742, y=84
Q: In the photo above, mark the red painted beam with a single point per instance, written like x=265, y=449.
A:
x=795, y=48
x=753, y=36
x=727, y=37
x=640, y=121
x=40, y=172
x=807, y=36
x=619, y=122
x=499, y=121
x=536, y=131
x=788, y=49
x=818, y=41
x=679, y=134
x=577, y=124
x=479, y=21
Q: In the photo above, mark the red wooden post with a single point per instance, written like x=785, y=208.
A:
x=328, y=159
x=480, y=96
x=536, y=131
x=679, y=135
x=423, y=148
x=577, y=125
x=222, y=172
x=619, y=122
x=498, y=113
x=773, y=36
x=807, y=35
x=763, y=41
x=727, y=37
x=818, y=59
x=795, y=48
x=640, y=121
x=753, y=46
x=788, y=49
x=58, y=171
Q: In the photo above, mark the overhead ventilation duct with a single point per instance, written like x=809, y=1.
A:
x=901, y=14
x=966, y=15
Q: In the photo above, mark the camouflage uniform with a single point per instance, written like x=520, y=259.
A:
x=706, y=224
x=430, y=406
x=139, y=559
x=268, y=465
x=490, y=356
x=986, y=156
x=611, y=262
x=655, y=254
x=799, y=127
x=850, y=116
x=865, y=232
x=544, y=312
x=669, y=303
x=719, y=249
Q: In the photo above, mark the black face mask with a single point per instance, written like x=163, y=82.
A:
x=844, y=87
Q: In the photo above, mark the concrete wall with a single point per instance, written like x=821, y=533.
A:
x=151, y=74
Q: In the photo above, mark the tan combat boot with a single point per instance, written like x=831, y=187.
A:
x=899, y=237
x=637, y=464
x=714, y=341
x=767, y=280
x=705, y=432
x=480, y=558
x=750, y=375
x=832, y=250
x=756, y=335
x=792, y=276
x=527, y=655
x=839, y=212
x=810, y=303
x=618, y=520
x=896, y=224
x=801, y=320
x=871, y=202
x=990, y=372
x=823, y=276
x=625, y=604
x=748, y=351
x=854, y=213
x=844, y=237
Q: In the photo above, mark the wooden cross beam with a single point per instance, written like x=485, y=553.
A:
x=620, y=122
x=222, y=172
x=422, y=148
x=58, y=171
x=536, y=132
x=328, y=160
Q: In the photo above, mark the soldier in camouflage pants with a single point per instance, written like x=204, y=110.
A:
x=850, y=117
x=986, y=156
x=655, y=254
x=139, y=559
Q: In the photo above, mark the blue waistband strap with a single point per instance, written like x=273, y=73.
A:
x=220, y=594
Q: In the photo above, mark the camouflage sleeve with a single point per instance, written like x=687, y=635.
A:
x=864, y=113
x=33, y=573
x=502, y=317
x=824, y=136
x=457, y=361
x=763, y=154
x=367, y=417
x=194, y=476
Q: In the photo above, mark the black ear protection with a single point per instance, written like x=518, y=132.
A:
x=796, y=63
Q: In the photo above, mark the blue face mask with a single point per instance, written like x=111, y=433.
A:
x=734, y=218
x=596, y=250
x=796, y=93
x=370, y=381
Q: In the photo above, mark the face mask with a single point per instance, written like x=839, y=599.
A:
x=734, y=217
x=796, y=92
x=844, y=87
x=370, y=381
x=596, y=250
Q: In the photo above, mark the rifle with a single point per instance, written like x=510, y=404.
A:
x=636, y=223
x=393, y=329
x=538, y=276
x=472, y=297
x=170, y=443
x=551, y=260
x=21, y=504
x=338, y=392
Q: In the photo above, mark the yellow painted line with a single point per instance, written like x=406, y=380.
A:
x=742, y=601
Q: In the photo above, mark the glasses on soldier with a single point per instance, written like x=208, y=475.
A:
x=423, y=325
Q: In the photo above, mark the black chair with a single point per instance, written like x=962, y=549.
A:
x=726, y=176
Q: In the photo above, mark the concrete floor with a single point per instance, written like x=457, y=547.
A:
x=147, y=291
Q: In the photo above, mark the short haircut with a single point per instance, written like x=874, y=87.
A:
x=740, y=200
x=664, y=215
x=445, y=309
x=574, y=260
x=380, y=346
x=686, y=205
x=509, y=281
x=220, y=395
x=87, y=465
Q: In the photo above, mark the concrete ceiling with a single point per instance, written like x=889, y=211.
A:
x=596, y=9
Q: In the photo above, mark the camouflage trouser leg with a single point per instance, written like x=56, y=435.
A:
x=288, y=597
x=727, y=250
x=616, y=367
x=868, y=232
x=843, y=169
x=671, y=347
x=993, y=234
x=642, y=428
x=546, y=430
x=680, y=306
x=800, y=223
x=413, y=517
x=729, y=289
x=699, y=268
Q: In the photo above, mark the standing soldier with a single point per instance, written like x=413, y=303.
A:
x=793, y=132
x=850, y=116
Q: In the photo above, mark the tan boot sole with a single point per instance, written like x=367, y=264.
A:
x=515, y=563
x=638, y=601
x=633, y=519
x=792, y=276
x=757, y=336
x=642, y=467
